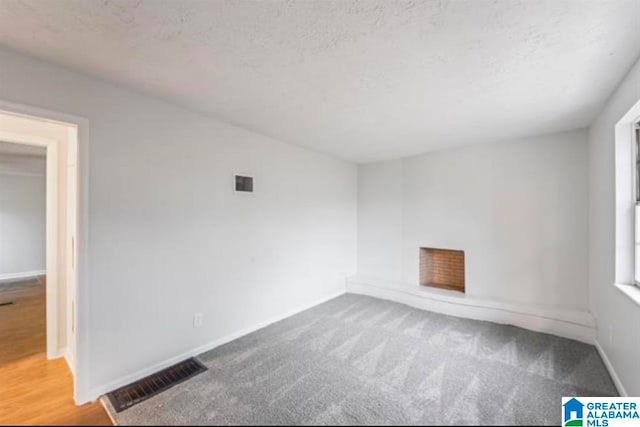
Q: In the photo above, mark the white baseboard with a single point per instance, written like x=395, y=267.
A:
x=574, y=324
x=22, y=275
x=98, y=391
x=614, y=375
x=57, y=355
x=70, y=359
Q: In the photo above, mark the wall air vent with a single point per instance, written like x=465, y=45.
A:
x=141, y=390
x=243, y=184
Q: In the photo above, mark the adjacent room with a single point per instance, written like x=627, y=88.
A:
x=319, y=212
x=22, y=250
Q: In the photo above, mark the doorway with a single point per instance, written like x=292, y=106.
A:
x=58, y=138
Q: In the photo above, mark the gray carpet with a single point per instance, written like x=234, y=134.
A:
x=360, y=360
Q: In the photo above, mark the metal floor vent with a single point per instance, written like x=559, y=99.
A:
x=139, y=391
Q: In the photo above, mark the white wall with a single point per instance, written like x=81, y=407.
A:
x=167, y=235
x=618, y=316
x=518, y=209
x=22, y=224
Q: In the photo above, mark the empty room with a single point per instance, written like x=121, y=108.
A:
x=320, y=212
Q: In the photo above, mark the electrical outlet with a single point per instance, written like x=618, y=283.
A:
x=197, y=320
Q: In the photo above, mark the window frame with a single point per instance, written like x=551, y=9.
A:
x=636, y=207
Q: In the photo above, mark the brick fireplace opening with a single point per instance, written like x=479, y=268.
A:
x=442, y=268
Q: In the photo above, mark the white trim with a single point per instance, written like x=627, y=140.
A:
x=52, y=254
x=58, y=354
x=631, y=291
x=614, y=375
x=98, y=391
x=18, y=138
x=23, y=275
x=625, y=197
x=69, y=358
x=574, y=324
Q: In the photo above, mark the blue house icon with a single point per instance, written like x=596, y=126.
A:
x=572, y=405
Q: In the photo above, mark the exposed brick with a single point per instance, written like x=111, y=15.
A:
x=443, y=268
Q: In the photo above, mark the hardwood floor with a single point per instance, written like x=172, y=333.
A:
x=34, y=390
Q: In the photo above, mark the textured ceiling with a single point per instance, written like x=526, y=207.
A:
x=364, y=80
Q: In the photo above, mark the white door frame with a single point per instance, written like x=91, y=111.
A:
x=81, y=354
x=52, y=282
